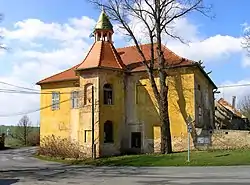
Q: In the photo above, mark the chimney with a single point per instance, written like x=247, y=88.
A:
x=233, y=101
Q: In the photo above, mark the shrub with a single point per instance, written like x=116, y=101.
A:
x=33, y=139
x=2, y=141
x=60, y=147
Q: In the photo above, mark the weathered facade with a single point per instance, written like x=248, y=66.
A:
x=228, y=117
x=126, y=116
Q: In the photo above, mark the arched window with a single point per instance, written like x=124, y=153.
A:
x=108, y=94
x=88, y=94
x=108, y=132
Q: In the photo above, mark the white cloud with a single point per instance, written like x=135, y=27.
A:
x=245, y=60
x=52, y=47
x=31, y=29
x=212, y=48
x=17, y=103
x=197, y=47
x=229, y=89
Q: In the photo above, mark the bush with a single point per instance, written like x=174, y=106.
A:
x=33, y=139
x=60, y=147
x=2, y=141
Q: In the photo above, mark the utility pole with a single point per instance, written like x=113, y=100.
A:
x=189, y=130
x=93, y=124
x=188, y=143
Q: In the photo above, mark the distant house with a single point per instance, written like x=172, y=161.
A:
x=228, y=117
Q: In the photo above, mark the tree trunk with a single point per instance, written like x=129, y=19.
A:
x=25, y=135
x=166, y=141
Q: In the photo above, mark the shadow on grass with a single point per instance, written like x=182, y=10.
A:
x=8, y=181
x=222, y=155
x=6, y=148
x=130, y=160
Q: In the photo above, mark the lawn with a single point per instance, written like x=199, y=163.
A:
x=197, y=158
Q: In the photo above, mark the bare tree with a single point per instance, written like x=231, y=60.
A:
x=246, y=40
x=23, y=129
x=244, y=106
x=157, y=18
x=2, y=46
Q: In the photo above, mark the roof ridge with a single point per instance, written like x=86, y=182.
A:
x=133, y=46
x=100, y=54
x=115, y=54
x=87, y=54
x=164, y=46
x=171, y=51
x=75, y=66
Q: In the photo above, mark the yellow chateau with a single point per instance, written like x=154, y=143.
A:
x=125, y=113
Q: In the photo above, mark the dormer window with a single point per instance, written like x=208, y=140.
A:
x=108, y=94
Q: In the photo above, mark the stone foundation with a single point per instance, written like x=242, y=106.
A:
x=230, y=139
x=109, y=149
x=218, y=139
x=181, y=143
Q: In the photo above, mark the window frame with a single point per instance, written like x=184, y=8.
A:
x=75, y=99
x=108, y=91
x=108, y=127
x=55, y=98
x=87, y=94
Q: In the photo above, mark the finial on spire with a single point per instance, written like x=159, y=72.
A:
x=103, y=22
x=104, y=28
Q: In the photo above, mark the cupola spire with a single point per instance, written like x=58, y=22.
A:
x=104, y=28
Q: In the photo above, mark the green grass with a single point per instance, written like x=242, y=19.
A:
x=3, y=128
x=197, y=158
x=12, y=142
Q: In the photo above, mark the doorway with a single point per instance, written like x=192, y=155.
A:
x=136, y=140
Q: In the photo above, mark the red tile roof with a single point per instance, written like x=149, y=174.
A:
x=103, y=54
x=228, y=106
x=130, y=54
x=68, y=74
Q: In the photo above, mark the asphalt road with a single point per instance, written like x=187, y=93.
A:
x=17, y=167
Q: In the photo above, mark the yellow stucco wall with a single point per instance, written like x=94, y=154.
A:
x=181, y=103
x=114, y=112
x=134, y=108
x=87, y=79
x=57, y=122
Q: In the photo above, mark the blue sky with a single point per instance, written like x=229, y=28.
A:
x=46, y=37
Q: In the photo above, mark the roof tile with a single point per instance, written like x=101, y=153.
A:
x=104, y=54
x=228, y=106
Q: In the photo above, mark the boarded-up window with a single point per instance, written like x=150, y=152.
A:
x=200, y=115
x=108, y=132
